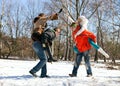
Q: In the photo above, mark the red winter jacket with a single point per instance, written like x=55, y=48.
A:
x=82, y=40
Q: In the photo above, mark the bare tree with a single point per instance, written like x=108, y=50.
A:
x=73, y=8
x=103, y=16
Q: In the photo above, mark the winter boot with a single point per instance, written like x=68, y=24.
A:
x=72, y=75
x=34, y=74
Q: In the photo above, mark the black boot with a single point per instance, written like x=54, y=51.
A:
x=51, y=60
x=34, y=74
x=72, y=75
x=46, y=76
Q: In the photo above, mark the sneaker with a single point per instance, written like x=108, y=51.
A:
x=89, y=75
x=72, y=75
x=34, y=74
x=46, y=76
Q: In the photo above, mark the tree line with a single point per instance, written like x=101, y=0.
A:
x=16, y=26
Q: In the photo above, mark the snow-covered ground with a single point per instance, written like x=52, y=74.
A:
x=16, y=73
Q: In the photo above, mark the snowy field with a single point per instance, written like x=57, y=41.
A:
x=16, y=73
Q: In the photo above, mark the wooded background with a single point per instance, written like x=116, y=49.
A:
x=16, y=25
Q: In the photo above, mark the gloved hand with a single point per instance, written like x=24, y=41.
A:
x=73, y=24
x=75, y=49
x=54, y=16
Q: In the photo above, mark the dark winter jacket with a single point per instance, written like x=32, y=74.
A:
x=46, y=37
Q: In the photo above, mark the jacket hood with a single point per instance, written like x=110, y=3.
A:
x=83, y=20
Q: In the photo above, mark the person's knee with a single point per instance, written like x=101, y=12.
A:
x=86, y=59
x=44, y=60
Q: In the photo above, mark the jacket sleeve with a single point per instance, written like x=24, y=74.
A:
x=50, y=34
x=36, y=36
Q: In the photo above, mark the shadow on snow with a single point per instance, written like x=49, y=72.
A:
x=16, y=77
x=28, y=77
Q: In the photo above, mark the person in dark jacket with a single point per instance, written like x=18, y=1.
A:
x=40, y=22
x=41, y=41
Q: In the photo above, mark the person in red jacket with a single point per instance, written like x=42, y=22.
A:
x=81, y=36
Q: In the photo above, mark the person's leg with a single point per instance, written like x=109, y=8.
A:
x=41, y=54
x=50, y=57
x=87, y=62
x=77, y=63
x=43, y=71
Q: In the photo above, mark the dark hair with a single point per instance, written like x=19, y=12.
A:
x=56, y=29
x=35, y=19
x=41, y=14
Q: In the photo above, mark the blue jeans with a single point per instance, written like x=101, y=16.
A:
x=78, y=62
x=37, y=46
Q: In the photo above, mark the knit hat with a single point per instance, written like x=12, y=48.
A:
x=82, y=20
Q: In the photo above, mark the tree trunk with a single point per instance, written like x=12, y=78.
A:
x=96, y=56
